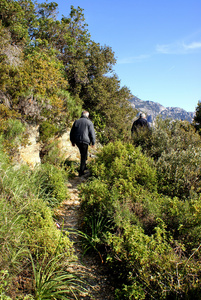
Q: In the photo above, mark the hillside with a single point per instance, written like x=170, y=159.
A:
x=153, y=109
x=130, y=227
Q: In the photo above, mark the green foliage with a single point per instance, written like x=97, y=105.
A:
x=179, y=172
x=95, y=226
x=112, y=110
x=73, y=106
x=143, y=138
x=99, y=123
x=3, y=283
x=118, y=161
x=153, y=240
x=53, y=154
x=55, y=60
x=52, y=280
x=51, y=184
x=26, y=221
x=13, y=17
x=11, y=130
x=197, y=117
x=14, y=129
x=47, y=130
x=42, y=233
x=182, y=220
x=166, y=136
x=175, y=147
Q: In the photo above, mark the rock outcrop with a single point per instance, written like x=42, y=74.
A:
x=153, y=109
x=30, y=154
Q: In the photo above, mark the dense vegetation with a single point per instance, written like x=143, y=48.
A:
x=142, y=212
x=142, y=204
x=33, y=250
x=197, y=118
x=51, y=69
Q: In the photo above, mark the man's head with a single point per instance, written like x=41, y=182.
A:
x=142, y=115
x=85, y=114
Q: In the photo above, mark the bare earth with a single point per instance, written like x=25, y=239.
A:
x=89, y=266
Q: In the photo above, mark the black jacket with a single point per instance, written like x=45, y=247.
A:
x=141, y=122
x=82, y=132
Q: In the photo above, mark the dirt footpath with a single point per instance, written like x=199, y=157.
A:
x=89, y=266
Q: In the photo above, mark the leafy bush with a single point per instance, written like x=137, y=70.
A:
x=153, y=266
x=169, y=135
x=179, y=172
x=152, y=240
x=166, y=136
x=175, y=147
x=11, y=130
x=51, y=184
x=197, y=117
x=124, y=162
x=142, y=137
x=41, y=231
x=47, y=130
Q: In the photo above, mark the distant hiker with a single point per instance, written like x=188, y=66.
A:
x=140, y=123
x=82, y=134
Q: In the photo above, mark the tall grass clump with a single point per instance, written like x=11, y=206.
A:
x=27, y=223
x=50, y=181
x=152, y=238
x=52, y=280
x=12, y=131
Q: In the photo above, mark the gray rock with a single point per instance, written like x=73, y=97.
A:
x=153, y=109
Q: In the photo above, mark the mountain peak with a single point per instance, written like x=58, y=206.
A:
x=153, y=109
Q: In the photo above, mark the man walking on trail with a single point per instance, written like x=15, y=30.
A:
x=140, y=123
x=82, y=134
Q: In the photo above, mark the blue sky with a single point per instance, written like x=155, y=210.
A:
x=157, y=44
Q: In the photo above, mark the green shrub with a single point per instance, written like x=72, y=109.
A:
x=166, y=136
x=51, y=184
x=153, y=240
x=124, y=161
x=169, y=135
x=41, y=231
x=179, y=172
x=3, y=284
x=120, y=172
x=47, y=130
x=154, y=269
x=143, y=138
x=53, y=154
x=73, y=107
x=183, y=220
x=11, y=134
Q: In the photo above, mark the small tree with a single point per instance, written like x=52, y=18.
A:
x=197, y=117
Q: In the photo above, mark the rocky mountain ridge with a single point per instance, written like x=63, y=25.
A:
x=153, y=109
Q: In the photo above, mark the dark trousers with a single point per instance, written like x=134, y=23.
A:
x=83, y=156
